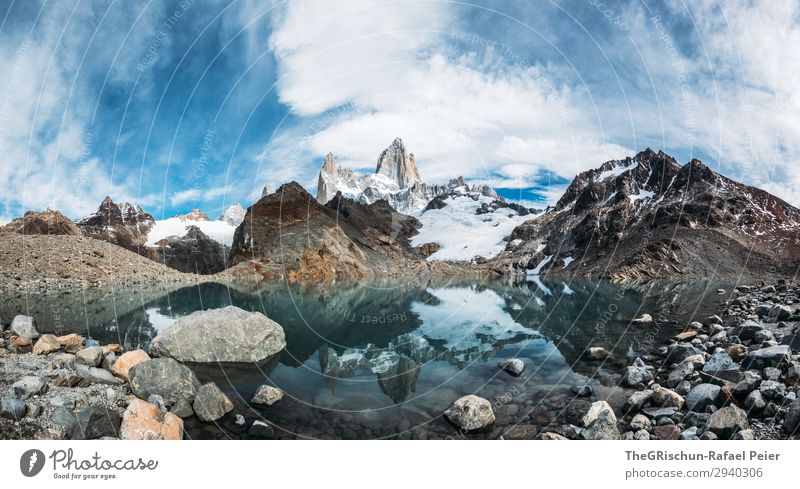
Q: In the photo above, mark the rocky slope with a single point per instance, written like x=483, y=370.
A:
x=124, y=224
x=396, y=180
x=289, y=234
x=194, y=252
x=649, y=216
x=47, y=222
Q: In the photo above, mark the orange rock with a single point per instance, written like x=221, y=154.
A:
x=128, y=360
x=686, y=335
x=72, y=343
x=113, y=347
x=46, y=344
x=21, y=341
x=144, y=421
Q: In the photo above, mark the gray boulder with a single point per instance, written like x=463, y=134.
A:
x=754, y=402
x=210, y=403
x=95, y=375
x=749, y=382
x=267, y=395
x=28, y=386
x=164, y=377
x=515, y=366
x=229, y=334
x=791, y=423
x=11, y=408
x=772, y=356
x=702, y=396
x=635, y=375
x=727, y=421
x=94, y=422
x=24, y=326
x=780, y=313
x=91, y=356
x=721, y=365
x=681, y=351
x=680, y=372
x=772, y=390
x=471, y=414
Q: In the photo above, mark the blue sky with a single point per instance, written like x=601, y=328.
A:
x=177, y=105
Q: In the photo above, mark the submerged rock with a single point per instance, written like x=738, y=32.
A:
x=210, y=403
x=229, y=334
x=515, y=366
x=267, y=395
x=471, y=414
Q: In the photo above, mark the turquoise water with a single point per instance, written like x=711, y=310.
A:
x=384, y=360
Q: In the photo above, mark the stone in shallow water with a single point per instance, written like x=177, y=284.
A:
x=514, y=366
x=229, y=334
x=267, y=395
x=471, y=414
x=210, y=403
x=600, y=423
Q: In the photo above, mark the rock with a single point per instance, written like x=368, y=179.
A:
x=67, y=379
x=109, y=359
x=47, y=344
x=634, y=376
x=712, y=320
x=747, y=330
x=13, y=409
x=552, y=436
x=686, y=335
x=582, y=390
x=114, y=348
x=32, y=410
x=690, y=434
x=165, y=377
x=471, y=414
x=125, y=362
x=63, y=419
x=639, y=399
x=158, y=402
x=708, y=435
x=182, y=408
x=259, y=429
x=696, y=360
x=514, y=366
x=659, y=412
x=639, y=422
x=61, y=401
x=239, y=420
x=72, y=343
x=600, y=423
x=726, y=421
x=754, y=402
x=780, y=313
x=521, y=432
x=772, y=356
x=791, y=423
x=744, y=435
x=24, y=326
x=91, y=356
x=721, y=365
x=667, y=432
x=641, y=435
x=681, y=351
x=210, y=403
x=21, y=342
x=596, y=353
x=96, y=375
x=737, y=352
x=680, y=372
x=143, y=421
x=749, y=382
x=267, y=395
x=62, y=360
x=667, y=398
x=772, y=373
x=792, y=340
x=643, y=319
x=94, y=422
x=28, y=386
x=772, y=390
x=229, y=334
x=701, y=396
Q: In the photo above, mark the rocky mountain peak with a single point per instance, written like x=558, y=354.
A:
x=328, y=179
x=49, y=222
x=112, y=214
x=396, y=163
x=195, y=215
x=233, y=215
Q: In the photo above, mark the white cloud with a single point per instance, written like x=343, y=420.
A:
x=377, y=70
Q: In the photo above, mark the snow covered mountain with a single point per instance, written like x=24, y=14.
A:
x=123, y=224
x=396, y=180
x=233, y=215
x=220, y=230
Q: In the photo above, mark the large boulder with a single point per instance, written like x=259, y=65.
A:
x=727, y=421
x=600, y=423
x=471, y=414
x=94, y=422
x=95, y=375
x=210, y=403
x=164, y=377
x=11, y=408
x=144, y=421
x=91, y=356
x=72, y=343
x=772, y=356
x=30, y=385
x=128, y=360
x=229, y=334
x=24, y=326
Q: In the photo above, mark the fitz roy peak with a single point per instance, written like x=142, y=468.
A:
x=396, y=180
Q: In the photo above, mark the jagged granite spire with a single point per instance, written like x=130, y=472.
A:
x=398, y=165
x=326, y=185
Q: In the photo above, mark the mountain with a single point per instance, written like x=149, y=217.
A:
x=124, y=224
x=195, y=215
x=233, y=215
x=396, y=180
x=220, y=230
x=648, y=217
x=289, y=234
x=193, y=252
x=45, y=222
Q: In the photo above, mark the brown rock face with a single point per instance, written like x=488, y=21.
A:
x=193, y=253
x=123, y=224
x=47, y=222
x=72, y=343
x=144, y=421
x=128, y=360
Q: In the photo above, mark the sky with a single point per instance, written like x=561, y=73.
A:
x=189, y=104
